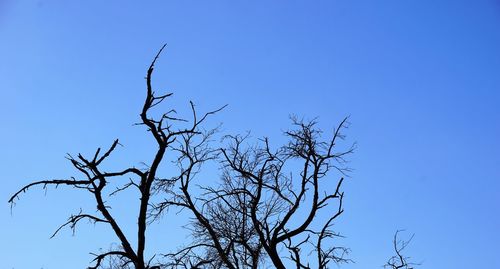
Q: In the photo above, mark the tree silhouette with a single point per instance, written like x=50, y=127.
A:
x=263, y=204
x=272, y=205
x=97, y=182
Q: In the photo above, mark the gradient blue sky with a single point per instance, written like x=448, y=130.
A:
x=420, y=80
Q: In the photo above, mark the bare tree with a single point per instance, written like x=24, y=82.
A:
x=264, y=209
x=271, y=205
x=98, y=183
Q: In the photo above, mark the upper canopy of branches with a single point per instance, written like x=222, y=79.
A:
x=273, y=205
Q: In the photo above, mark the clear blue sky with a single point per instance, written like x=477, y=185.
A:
x=420, y=80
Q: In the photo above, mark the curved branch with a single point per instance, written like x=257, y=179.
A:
x=57, y=182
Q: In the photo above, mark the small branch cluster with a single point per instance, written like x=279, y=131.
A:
x=399, y=261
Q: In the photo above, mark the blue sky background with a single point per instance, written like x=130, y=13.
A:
x=420, y=80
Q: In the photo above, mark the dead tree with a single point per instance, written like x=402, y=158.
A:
x=99, y=183
x=272, y=206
